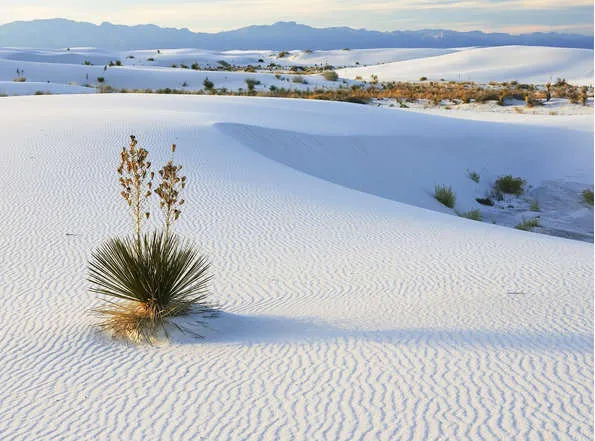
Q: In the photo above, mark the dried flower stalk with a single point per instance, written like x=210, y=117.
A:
x=169, y=190
x=136, y=181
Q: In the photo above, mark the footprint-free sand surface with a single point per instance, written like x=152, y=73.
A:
x=353, y=309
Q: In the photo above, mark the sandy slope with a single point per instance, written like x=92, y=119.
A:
x=521, y=63
x=347, y=316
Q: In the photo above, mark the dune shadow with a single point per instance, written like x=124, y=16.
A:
x=230, y=328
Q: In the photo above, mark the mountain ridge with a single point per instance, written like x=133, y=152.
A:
x=283, y=35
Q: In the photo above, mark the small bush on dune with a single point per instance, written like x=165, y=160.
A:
x=251, y=83
x=157, y=279
x=473, y=175
x=473, y=215
x=445, y=195
x=152, y=277
x=330, y=75
x=19, y=79
x=528, y=224
x=208, y=84
x=587, y=196
x=509, y=185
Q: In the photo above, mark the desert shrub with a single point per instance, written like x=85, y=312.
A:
x=473, y=215
x=100, y=79
x=19, y=79
x=587, y=195
x=299, y=79
x=87, y=63
x=183, y=66
x=330, y=75
x=282, y=54
x=423, y=79
x=485, y=201
x=534, y=205
x=118, y=63
x=445, y=195
x=224, y=64
x=149, y=278
x=150, y=59
x=208, y=84
x=473, y=175
x=43, y=92
x=185, y=84
x=509, y=185
x=528, y=224
x=251, y=83
x=152, y=281
x=130, y=57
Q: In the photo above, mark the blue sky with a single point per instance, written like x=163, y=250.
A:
x=512, y=16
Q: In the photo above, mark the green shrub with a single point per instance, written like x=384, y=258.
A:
x=528, y=224
x=473, y=215
x=587, y=196
x=87, y=63
x=282, y=54
x=445, y=195
x=251, y=83
x=160, y=278
x=100, y=79
x=423, y=79
x=330, y=75
x=208, y=84
x=509, y=185
x=473, y=175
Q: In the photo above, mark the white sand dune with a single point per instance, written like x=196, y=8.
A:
x=526, y=64
x=347, y=316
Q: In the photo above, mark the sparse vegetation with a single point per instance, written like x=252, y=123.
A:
x=299, y=80
x=445, y=195
x=282, y=54
x=472, y=214
x=534, y=205
x=509, y=185
x=251, y=83
x=473, y=175
x=330, y=75
x=587, y=195
x=528, y=224
x=208, y=84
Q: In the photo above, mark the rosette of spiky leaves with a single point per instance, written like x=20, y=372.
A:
x=136, y=181
x=169, y=189
x=145, y=283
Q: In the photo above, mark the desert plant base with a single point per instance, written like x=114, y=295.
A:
x=137, y=322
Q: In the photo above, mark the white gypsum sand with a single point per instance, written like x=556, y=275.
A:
x=347, y=316
x=526, y=64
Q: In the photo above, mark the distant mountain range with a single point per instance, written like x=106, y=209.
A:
x=61, y=33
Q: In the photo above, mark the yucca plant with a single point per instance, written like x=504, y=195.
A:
x=149, y=278
x=145, y=285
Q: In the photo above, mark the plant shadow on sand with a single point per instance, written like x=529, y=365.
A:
x=230, y=328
